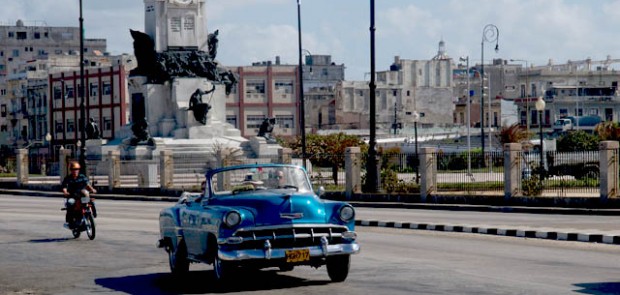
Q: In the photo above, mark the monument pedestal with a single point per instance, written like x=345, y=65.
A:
x=264, y=148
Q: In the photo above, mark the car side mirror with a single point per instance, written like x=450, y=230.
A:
x=321, y=191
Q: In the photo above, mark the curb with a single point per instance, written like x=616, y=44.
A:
x=498, y=231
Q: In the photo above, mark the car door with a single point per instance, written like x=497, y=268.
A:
x=190, y=222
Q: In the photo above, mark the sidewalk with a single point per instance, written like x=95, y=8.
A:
x=513, y=230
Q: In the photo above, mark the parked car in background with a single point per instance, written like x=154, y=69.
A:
x=258, y=216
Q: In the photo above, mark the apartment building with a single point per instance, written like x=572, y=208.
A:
x=27, y=41
x=576, y=88
x=105, y=101
x=264, y=90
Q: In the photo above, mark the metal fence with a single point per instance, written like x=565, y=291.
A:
x=574, y=173
x=470, y=172
x=564, y=173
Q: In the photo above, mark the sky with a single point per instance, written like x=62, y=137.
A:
x=259, y=30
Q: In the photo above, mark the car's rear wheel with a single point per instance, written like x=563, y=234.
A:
x=177, y=257
x=338, y=267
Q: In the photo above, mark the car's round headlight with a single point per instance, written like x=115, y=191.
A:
x=232, y=218
x=347, y=213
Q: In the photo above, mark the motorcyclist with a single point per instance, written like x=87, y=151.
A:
x=72, y=185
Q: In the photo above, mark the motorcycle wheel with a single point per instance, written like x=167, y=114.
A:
x=76, y=233
x=89, y=223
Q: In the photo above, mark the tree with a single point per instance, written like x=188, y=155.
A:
x=577, y=141
x=325, y=150
x=513, y=133
x=608, y=130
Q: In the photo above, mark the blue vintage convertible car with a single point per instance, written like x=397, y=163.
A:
x=263, y=215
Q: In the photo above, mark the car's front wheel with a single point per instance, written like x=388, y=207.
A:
x=338, y=267
x=177, y=257
x=221, y=268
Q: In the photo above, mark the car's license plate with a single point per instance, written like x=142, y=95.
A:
x=297, y=255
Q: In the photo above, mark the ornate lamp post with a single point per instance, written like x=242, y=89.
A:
x=540, y=107
x=416, y=118
x=468, y=116
x=490, y=33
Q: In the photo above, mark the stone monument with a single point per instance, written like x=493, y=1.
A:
x=177, y=94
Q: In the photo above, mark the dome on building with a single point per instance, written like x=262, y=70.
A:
x=441, y=52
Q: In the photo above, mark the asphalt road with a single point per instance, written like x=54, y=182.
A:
x=38, y=256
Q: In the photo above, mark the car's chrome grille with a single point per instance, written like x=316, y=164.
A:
x=290, y=236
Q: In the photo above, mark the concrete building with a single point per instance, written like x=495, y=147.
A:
x=409, y=86
x=321, y=75
x=500, y=85
x=24, y=42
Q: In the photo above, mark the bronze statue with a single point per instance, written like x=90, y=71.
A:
x=212, y=43
x=266, y=128
x=163, y=66
x=140, y=129
x=92, y=130
x=199, y=107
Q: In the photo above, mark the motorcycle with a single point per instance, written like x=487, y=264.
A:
x=82, y=214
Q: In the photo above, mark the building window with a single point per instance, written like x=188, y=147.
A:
x=232, y=120
x=11, y=34
x=22, y=36
x=15, y=52
x=60, y=128
x=255, y=87
x=69, y=92
x=57, y=92
x=3, y=110
x=37, y=35
x=3, y=128
x=70, y=125
x=106, y=88
x=563, y=112
x=254, y=121
x=285, y=121
x=94, y=88
x=107, y=123
x=284, y=87
x=394, y=92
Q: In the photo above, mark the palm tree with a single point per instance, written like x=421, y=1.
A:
x=513, y=133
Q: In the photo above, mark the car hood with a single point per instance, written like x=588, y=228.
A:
x=273, y=208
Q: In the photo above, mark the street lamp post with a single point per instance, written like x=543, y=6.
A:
x=372, y=173
x=468, y=117
x=302, y=110
x=81, y=91
x=416, y=118
x=490, y=33
x=48, y=140
x=540, y=107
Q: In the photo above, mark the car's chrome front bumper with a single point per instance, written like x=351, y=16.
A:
x=268, y=253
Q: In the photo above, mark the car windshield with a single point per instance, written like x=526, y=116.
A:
x=260, y=178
